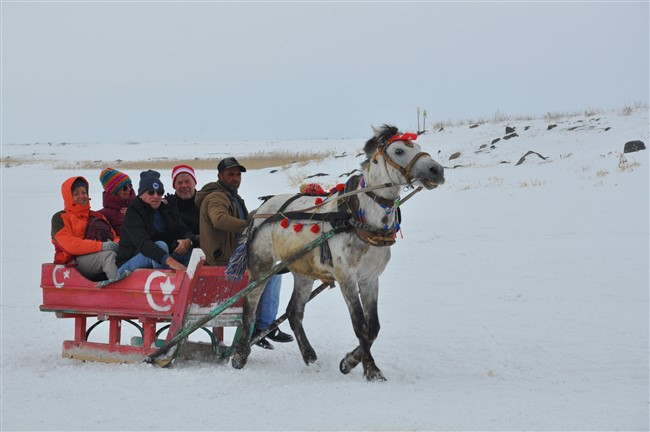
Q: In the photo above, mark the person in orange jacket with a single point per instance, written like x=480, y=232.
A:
x=94, y=258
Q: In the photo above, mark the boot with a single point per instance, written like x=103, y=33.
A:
x=278, y=336
x=263, y=343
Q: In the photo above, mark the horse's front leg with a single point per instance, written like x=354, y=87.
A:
x=296, y=311
x=243, y=350
x=366, y=327
x=369, y=297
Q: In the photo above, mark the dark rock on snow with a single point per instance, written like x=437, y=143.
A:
x=633, y=146
x=523, y=158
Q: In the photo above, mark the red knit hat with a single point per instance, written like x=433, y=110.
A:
x=182, y=169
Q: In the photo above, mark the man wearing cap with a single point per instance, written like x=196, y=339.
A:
x=117, y=196
x=184, y=183
x=153, y=235
x=222, y=217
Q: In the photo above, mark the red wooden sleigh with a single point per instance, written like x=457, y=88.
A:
x=151, y=300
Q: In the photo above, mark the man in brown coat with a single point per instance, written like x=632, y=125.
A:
x=222, y=216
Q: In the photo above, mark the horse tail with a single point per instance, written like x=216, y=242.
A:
x=239, y=259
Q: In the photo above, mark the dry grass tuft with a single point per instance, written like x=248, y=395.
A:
x=629, y=109
x=593, y=112
x=257, y=160
x=625, y=165
x=532, y=183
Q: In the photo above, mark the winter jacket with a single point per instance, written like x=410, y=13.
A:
x=112, y=209
x=219, y=222
x=139, y=232
x=188, y=212
x=69, y=227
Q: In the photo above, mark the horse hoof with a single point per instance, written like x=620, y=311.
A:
x=238, y=362
x=344, y=367
x=310, y=358
x=375, y=376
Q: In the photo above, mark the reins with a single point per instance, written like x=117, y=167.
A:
x=349, y=216
x=405, y=171
x=339, y=197
x=341, y=218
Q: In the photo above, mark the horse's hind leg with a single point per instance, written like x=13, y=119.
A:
x=296, y=311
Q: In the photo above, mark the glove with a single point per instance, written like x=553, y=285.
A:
x=110, y=246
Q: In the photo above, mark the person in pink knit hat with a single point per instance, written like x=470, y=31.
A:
x=183, y=199
x=117, y=196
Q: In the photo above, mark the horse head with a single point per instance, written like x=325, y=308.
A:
x=404, y=160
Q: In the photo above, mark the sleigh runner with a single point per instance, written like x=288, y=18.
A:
x=153, y=301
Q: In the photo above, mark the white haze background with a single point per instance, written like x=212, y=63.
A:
x=112, y=71
x=517, y=298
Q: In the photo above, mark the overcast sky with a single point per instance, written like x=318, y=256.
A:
x=211, y=71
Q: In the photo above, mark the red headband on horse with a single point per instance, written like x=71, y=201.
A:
x=403, y=137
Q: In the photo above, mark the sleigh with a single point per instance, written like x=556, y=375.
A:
x=155, y=302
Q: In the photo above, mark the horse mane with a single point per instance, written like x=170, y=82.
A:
x=381, y=136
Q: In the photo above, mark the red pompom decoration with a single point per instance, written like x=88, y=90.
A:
x=315, y=228
x=340, y=187
x=314, y=189
x=297, y=227
x=285, y=223
x=319, y=201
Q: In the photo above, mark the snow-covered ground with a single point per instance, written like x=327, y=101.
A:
x=517, y=298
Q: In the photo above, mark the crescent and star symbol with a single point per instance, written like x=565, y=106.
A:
x=66, y=275
x=167, y=288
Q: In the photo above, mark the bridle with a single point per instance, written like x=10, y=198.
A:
x=407, y=139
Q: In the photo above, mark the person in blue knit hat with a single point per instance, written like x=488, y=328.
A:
x=153, y=235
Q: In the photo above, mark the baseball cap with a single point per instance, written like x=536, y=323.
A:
x=230, y=162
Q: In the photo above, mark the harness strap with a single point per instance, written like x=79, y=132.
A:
x=381, y=200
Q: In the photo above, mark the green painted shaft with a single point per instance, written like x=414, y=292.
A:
x=187, y=330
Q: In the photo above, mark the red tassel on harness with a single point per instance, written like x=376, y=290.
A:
x=297, y=227
x=314, y=189
x=319, y=200
x=285, y=223
x=315, y=228
x=340, y=187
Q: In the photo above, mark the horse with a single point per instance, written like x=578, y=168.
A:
x=366, y=216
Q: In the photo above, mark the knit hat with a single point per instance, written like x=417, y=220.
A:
x=182, y=169
x=229, y=163
x=80, y=181
x=150, y=180
x=113, y=180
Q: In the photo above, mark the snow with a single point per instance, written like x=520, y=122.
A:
x=517, y=298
